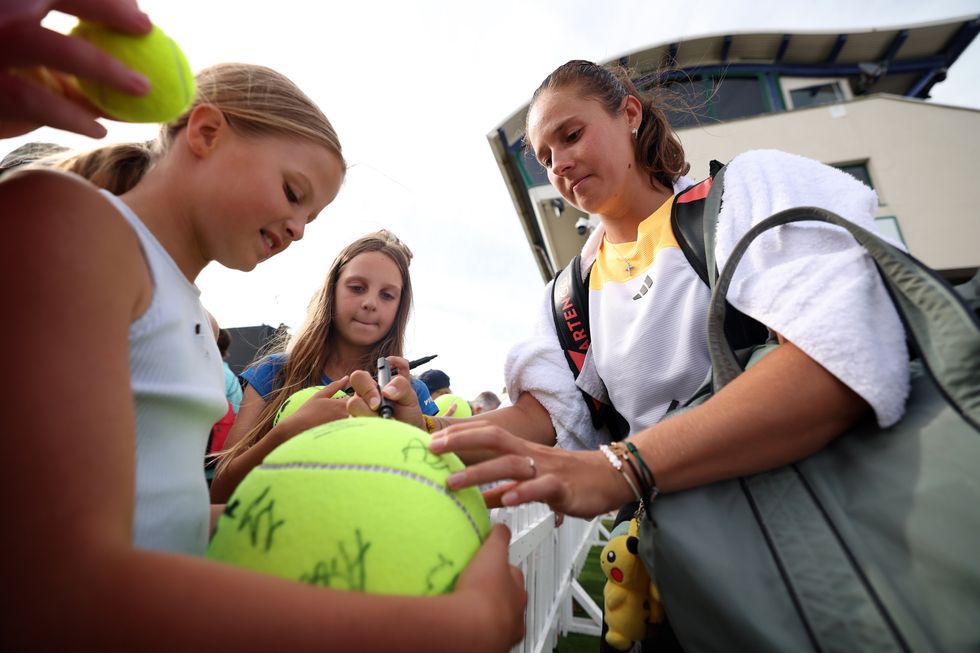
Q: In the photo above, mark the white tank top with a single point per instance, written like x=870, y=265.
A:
x=178, y=394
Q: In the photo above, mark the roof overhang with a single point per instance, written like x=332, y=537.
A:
x=906, y=61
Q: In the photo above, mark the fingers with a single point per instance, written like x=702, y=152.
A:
x=506, y=467
x=367, y=397
x=123, y=15
x=477, y=435
x=24, y=103
x=498, y=540
x=365, y=392
x=547, y=489
x=400, y=391
x=492, y=496
x=494, y=551
x=451, y=410
x=333, y=388
x=26, y=10
x=33, y=45
x=399, y=365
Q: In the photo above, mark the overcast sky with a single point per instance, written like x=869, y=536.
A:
x=412, y=89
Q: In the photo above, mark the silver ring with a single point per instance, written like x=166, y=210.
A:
x=534, y=468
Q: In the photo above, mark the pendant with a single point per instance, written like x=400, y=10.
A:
x=629, y=268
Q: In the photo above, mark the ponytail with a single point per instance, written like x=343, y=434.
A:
x=658, y=151
x=116, y=168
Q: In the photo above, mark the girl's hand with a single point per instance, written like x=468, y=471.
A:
x=577, y=483
x=42, y=90
x=367, y=398
x=493, y=592
x=318, y=409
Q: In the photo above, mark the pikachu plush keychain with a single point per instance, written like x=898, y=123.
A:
x=632, y=601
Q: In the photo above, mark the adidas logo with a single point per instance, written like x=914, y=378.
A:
x=647, y=283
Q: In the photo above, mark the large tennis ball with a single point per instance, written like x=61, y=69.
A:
x=357, y=504
x=156, y=56
x=298, y=398
x=462, y=406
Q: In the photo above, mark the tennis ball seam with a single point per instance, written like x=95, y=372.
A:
x=387, y=470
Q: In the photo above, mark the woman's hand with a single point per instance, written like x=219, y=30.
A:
x=42, y=91
x=401, y=394
x=577, y=483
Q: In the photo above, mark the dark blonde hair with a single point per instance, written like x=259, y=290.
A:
x=658, y=150
x=255, y=100
x=307, y=351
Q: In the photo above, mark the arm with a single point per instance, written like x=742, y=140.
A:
x=71, y=565
x=527, y=418
x=736, y=432
x=248, y=416
x=319, y=409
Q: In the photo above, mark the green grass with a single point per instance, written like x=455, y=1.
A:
x=593, y=581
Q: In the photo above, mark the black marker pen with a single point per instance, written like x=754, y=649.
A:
x=385, y=410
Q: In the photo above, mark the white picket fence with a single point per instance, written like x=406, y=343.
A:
x=551, y=559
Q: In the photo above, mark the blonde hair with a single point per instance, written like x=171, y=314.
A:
x=255, y=100
x=307, y=351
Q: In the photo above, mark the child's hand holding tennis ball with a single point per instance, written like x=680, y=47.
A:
x=40, y=69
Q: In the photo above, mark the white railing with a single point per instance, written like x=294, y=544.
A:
x=551, y=558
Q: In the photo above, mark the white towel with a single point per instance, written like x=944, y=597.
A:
x=537, y=365
x=812, y=283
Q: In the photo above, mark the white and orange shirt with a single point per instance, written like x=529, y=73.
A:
x=649, y=320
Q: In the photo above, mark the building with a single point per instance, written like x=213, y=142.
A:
x=853, y=100
x=249, y=343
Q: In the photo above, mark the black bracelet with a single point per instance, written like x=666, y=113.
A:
x=649, y=479
x=644, y=488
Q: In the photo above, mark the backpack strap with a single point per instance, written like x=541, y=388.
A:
x=693, y=219
x=571, y=312
x=687, y=223
x=570, y=299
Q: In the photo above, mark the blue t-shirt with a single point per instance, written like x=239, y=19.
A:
x=262, y=374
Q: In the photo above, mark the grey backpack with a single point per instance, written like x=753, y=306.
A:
x=871, y=544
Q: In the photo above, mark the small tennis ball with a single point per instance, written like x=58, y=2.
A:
x=298, y=398
x=156, y=56
x=462, y=406
x=356, y=504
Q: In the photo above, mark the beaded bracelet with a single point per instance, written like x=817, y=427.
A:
x=618, y=466
x=619, y=449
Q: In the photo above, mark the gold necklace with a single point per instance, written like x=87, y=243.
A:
x=624, y=259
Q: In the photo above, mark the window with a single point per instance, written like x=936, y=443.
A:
x=888, y=226
x=736, y=97
x=716, y=99
x=801, y=92
x=691, y=102
x=859, y=171
x=533, y=172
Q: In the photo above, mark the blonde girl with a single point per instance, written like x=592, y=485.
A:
x=114, y=379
